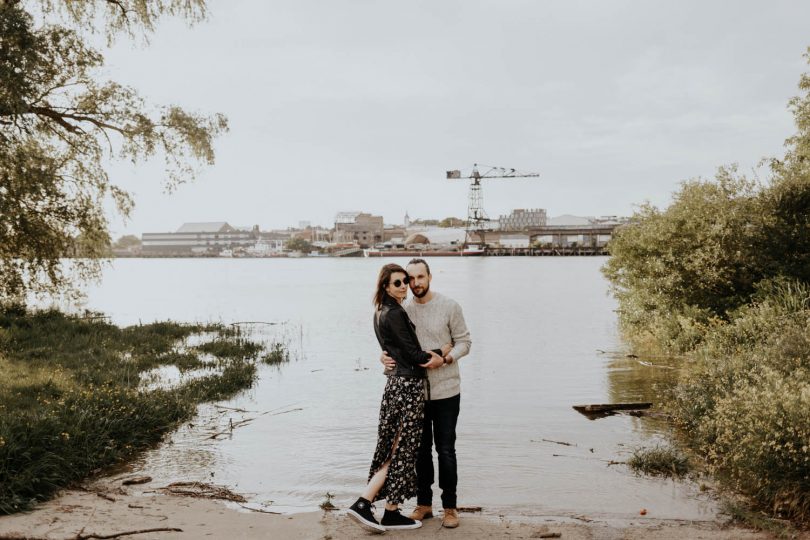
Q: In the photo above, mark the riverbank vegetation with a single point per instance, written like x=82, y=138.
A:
x=76, y=395
x=722, y=277
x=62, y=123
x=659, y=461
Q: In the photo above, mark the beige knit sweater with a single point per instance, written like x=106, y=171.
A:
x=441, y=321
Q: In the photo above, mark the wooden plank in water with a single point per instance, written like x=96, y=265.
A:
x=610, y=407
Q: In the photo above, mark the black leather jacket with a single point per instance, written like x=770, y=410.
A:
x=397, y=336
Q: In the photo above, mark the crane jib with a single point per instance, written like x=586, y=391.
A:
x=477, y=218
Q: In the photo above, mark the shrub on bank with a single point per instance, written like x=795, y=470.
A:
x=746, y=401
x=723, y=274
x=71, y=400
x=744, y=397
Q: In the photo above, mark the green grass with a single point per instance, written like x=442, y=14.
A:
x=742, y=513
x=278, y=354
x=230, y=347
x=71, y=399
x=659, y=461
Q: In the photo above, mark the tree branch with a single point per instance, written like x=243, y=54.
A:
x=81, y=536
x=121, y=6
x=62, y=84
x=61, y=119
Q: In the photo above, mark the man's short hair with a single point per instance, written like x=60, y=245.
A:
x=420, y=261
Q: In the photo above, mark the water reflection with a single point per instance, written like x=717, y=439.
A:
x=538, y=326
x=642, y=379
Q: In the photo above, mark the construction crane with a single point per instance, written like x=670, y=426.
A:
x=478, y=222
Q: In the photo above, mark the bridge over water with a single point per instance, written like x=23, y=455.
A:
x=554, y=240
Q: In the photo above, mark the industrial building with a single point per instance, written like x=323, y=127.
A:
x=521, y=219
x=207, y=238
x=362, y=229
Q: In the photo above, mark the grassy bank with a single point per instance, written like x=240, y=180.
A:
x=721, y=278
x=72, y=399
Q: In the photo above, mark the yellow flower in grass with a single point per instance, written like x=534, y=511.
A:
x=65, y=436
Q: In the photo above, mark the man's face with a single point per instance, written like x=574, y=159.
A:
x=420, y=279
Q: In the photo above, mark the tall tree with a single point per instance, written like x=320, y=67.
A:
x=61, y=121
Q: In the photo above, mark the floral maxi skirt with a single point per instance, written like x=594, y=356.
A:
x=402, y=412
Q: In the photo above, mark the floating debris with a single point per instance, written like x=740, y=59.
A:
x=203, y=491
x=601, y=410
x=137, y=480
x=557, y=442
x=650, y=364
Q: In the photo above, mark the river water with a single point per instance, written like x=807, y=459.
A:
x=544, y=337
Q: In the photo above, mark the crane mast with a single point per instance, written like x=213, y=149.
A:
x=478, y=222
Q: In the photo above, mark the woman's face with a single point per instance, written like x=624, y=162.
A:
x=397, y=291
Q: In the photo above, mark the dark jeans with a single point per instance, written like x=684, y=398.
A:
x=441, y=416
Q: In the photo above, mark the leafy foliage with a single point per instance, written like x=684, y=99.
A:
x=746, y=400
x=679, y=271
x=452, y=222
x=698, y=252
x=127, y=241
x=299, y=244
x=724, y=274
x=59, y=124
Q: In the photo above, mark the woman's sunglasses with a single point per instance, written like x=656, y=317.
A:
x=398, y=282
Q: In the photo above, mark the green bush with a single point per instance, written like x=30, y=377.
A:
x=723, y=274
x=746, y=401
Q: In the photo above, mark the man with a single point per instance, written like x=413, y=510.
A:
x=438, y=320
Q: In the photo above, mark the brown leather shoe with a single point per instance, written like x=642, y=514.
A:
x=450, y=520
x=422, y=512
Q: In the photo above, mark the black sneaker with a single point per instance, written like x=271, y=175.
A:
x=393, y=520
x=360, y=511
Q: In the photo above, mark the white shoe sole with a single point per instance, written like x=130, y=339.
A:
x=367, y=525
x=402, y=527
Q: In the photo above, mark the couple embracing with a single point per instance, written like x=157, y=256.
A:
x=422, y=340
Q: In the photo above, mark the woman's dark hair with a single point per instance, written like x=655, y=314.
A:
x=382, y=281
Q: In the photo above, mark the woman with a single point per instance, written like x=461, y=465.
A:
x=393, y=470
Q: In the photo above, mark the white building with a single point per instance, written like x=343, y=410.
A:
x=199, y=238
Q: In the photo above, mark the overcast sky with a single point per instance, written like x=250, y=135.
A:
x=345, y=105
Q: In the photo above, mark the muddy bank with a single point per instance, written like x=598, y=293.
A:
x=107, y=507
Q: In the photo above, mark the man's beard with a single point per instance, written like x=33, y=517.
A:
x=423, y=293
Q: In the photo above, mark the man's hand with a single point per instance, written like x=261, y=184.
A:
x=434, y=362
x=449, y=358
x=387, y=361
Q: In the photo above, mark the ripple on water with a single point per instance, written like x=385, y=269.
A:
x=540, y=327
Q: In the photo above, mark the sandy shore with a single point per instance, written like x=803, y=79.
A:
x=108, y=508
